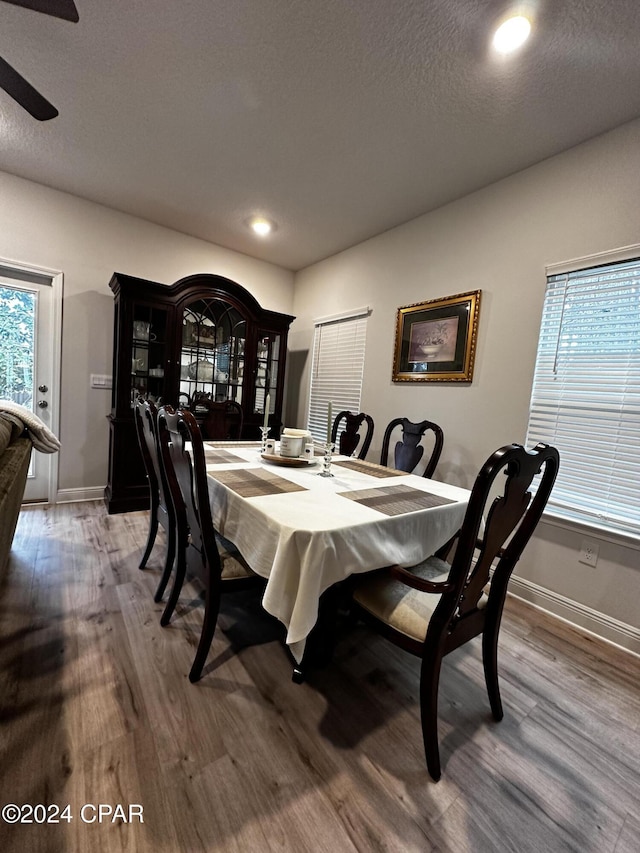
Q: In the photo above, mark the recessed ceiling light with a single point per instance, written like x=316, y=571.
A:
x=261, y=226
x=512, y=34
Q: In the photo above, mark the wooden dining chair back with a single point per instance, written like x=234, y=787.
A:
x=223, y=421
x=435, y=607
x=200, y=551
x=408, y=452
x=200, y=399
x=346, y=432
x=161, y=507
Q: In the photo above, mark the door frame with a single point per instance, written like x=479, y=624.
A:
x=26, y=273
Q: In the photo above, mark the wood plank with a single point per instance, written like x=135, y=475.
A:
x=628, y=839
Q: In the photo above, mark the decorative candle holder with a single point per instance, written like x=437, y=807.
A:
x=265, y=434
x=329, y=447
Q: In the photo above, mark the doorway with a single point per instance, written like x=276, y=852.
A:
x=30, y=335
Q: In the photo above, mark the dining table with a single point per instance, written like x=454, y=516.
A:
x=305, y=532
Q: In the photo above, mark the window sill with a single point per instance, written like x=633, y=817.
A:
x=604, y=534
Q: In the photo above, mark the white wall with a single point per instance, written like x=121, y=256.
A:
x=498, y=240
x=88, y=243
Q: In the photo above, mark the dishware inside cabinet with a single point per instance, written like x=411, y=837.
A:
x=214, y=336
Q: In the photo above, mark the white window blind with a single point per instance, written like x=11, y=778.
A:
x=337, y=368
x=586, y=393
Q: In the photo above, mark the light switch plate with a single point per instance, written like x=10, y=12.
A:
x=98, y=380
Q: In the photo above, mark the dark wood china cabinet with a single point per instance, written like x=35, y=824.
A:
x=204, y=336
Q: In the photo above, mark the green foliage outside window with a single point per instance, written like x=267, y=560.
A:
x=17, y=326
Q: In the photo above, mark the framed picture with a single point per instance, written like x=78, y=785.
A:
x=436, y=340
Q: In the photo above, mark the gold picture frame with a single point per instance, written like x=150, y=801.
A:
x=436, y=340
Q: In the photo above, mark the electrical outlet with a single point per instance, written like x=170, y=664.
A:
x=588, y=553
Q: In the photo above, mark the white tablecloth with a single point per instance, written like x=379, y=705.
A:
x=305, y=541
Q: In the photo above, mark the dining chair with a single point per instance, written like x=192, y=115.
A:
x=408, y=452
x=349, y=433
x=438, y=605
x=199, y=549
x=223, y=421
x=161, y=507
x=200, y=400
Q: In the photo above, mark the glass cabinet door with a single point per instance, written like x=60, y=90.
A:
x=148, y=353
x=267, y=371
x=212, y=357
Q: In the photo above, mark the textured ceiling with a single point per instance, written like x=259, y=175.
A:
x=336, y=118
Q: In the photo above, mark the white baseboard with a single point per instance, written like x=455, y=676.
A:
x=65, y=496
x=599, y=624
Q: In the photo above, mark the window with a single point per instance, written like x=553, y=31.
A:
x=586, y=393
x=337, y=368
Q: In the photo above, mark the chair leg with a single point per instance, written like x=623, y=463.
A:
x=178, y=580
x=211, y=608
x=429, y=680
x=153, y=529
x=168, y=564
x=490, y=664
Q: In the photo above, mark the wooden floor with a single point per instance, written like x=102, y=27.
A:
x=97, y=708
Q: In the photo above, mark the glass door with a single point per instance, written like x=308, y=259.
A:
x=212, y=358
x=267, y=371
x=148, y=353
x=28, y=364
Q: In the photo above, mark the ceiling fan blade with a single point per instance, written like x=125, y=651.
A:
x=65, y=9
x=23, y=92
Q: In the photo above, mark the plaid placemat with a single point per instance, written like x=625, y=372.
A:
x=371, y=468
x=255, y=482
x=395, y=500
x=214, y=455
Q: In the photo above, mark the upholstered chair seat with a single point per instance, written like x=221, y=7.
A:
x=403, y=608
x=233, y=563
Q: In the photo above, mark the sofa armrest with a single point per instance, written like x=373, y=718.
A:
x=14, y=466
